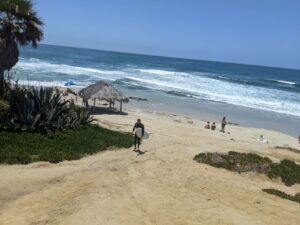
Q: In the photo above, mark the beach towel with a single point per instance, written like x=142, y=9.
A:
x=261, y=139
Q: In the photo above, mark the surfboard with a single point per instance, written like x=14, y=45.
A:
x=146, y=135
x=139, y=132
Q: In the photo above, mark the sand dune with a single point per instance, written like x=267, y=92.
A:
x=161, y=187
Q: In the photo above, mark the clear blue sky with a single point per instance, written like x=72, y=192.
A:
x=262, y=32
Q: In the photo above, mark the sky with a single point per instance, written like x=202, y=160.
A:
x=260, y=32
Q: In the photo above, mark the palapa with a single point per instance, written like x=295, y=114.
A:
x=103, y=91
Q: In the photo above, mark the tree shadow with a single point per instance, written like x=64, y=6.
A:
x=105, y=110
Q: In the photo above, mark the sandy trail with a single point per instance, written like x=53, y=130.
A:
x=163, y=186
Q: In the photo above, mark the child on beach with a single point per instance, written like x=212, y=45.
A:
x=139, y=133
x=223, y=124
x=207, y=126
x=213, y=126
x=261, y=139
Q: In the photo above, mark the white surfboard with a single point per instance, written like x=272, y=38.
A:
x=139, y=133
x=146, y=135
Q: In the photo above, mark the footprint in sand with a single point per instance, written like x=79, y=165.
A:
x=132, y=172
x=147, y=169
x=150, y=167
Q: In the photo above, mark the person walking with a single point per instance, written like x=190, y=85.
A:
x=138, y=130
x=223, y=124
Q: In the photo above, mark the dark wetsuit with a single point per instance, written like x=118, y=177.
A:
x=137, y=140
x=224, y=122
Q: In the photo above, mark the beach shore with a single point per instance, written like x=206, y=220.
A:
x=214, y=111
x=162, y=186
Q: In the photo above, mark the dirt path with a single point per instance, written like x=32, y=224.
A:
x=161, y=187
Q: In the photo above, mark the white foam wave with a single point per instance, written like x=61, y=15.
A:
x=38, y=66
x=222, y=77
x=236, y=94
x=49, y=83
x=161, y=72
x=285, y=82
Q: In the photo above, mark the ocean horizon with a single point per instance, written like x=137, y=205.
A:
x=167, y=56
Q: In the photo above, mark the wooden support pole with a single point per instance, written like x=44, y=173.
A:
x=94, y=105
x=121, y=106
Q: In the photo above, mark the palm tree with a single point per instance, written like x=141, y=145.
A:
x=19, y=25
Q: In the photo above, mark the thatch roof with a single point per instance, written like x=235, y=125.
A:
x=102, y=91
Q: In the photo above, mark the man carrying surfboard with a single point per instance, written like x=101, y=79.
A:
x=139, y=133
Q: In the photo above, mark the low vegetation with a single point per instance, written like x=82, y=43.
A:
x=39, y=124
x=287, y=170
x=38, y=110
x=295, y=198
x=234, y=161
x=288, y=148
x=26, y=147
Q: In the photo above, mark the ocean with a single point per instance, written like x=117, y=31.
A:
x=167, y=80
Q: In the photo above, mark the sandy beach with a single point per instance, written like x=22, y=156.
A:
x=163, y=186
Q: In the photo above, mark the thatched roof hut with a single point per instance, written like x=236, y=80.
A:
x=103, y=91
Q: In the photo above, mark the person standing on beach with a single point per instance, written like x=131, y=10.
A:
x=139, y=133
x=223, y=124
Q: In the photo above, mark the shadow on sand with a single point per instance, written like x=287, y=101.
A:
x=105, y=110
x=140, y=152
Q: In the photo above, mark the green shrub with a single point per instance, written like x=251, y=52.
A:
x=234, y=161
x=288, y=148
x=4, y=107
x=295, y=198
x=287, y=170
x=40, y=110
x=25, y=147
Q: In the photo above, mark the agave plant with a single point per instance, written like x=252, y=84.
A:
x=40, y=109
x=81, y=116
x=4, y=107
x=27, y=117
x=49, y=104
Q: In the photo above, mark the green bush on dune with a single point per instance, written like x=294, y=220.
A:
x=295, y=150
x=287, y=170
x=25, y=147
x=295, y=198
x=234, y=161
